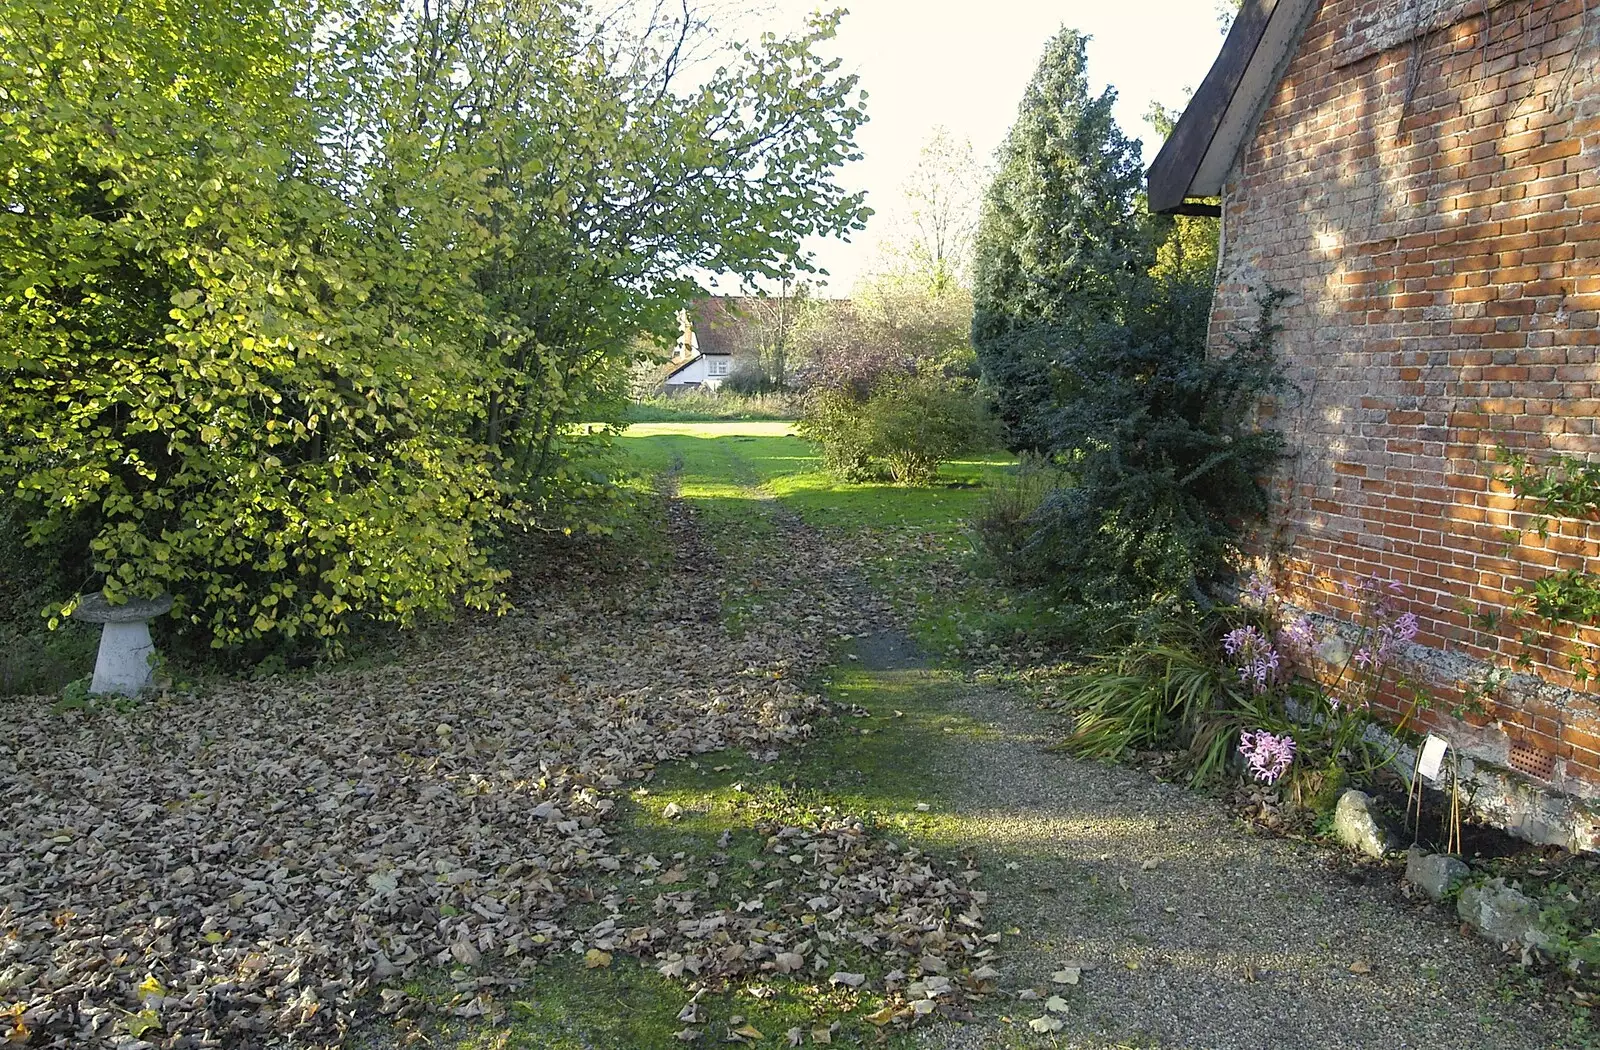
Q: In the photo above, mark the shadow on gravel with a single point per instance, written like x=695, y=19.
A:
x=889, y=651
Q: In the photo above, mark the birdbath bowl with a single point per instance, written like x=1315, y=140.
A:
x=123, y=664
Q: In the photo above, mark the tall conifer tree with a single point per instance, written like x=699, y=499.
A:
x=1060, y=244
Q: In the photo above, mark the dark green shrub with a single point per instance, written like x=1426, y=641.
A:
x=1166, y=459
x=909, y=425
x=1090, y=324
x=1007, y=517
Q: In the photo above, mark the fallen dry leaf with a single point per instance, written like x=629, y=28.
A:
x=883, y=1015
x=325, y=837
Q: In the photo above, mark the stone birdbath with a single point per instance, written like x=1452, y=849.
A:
x=123, y=664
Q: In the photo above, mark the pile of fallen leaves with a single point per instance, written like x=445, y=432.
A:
x=253, y=864
x=830, y=895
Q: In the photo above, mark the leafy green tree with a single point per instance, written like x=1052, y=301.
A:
x=301, y=299
x=912, y=310
x=233, y=368
x=934, y=222
x=1061, y=242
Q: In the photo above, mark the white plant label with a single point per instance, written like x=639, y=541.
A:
x=1432, y=756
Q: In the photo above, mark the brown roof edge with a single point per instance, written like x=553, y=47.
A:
x=717, y=321
x=1172, y=175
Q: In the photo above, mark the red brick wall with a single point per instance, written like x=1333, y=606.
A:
x=1431, y=200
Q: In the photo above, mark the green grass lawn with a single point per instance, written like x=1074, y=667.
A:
x=914, y=536
x=727, y=460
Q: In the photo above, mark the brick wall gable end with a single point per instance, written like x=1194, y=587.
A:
x=1385, y=24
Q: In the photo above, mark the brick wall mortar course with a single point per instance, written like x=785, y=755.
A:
x=1433, y=210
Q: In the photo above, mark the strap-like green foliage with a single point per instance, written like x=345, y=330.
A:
x=301, y=300
x=1161, y=692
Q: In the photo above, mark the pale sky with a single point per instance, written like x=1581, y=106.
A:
x=964, y=64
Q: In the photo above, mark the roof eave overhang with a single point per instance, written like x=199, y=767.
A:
x=1197, y=158
x=681, y=367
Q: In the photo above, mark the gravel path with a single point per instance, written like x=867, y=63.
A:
x=1195, y=931
x=1201, y=933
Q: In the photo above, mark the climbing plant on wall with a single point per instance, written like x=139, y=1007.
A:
x=1561, y=487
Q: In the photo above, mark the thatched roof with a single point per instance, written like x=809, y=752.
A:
x=723, y=324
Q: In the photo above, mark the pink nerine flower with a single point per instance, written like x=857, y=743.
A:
x=1242, y=640
x=1254, y=656
x=1260, y=589
x=1299, y=637
x=1375, y=593
x=1391, y=636
x=1268, y=755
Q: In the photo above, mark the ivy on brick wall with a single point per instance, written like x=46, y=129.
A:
x=1562, y=487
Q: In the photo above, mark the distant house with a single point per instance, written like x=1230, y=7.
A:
x=1422, y=178
x=699, y=371
x=712, y=330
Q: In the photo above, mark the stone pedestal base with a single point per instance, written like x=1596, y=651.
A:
x=123, y=663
